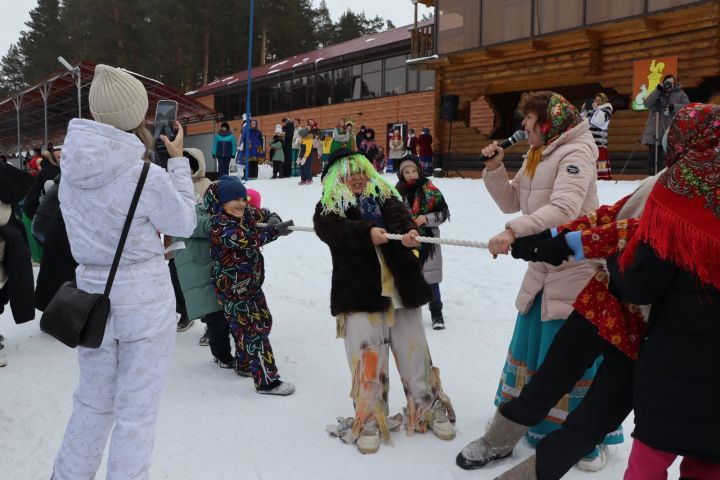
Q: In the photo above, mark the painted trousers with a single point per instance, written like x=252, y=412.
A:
x=647, y=463
x=250, y=324
x=121, y=381
x=367, y=344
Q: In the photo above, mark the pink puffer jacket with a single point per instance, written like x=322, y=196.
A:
x=564, y=187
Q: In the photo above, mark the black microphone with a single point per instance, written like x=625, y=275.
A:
x=518, y=136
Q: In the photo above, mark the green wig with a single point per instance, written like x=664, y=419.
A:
x=337, y=196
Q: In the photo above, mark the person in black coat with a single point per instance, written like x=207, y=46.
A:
x=673, y=262
x=50, y=170
x=377, y=290
x=288, y=127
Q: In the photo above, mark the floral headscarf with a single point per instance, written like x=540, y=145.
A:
x=681, y=219
x=561, y=117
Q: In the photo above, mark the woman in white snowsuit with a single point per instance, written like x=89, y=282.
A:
x=121, y=381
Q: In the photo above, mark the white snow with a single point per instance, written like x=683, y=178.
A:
x=214, y=426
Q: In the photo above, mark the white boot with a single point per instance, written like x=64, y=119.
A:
x=283, y=389
x=597, y=463
x=440, y=425
x=369, y=439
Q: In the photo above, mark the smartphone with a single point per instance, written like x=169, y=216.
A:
x=165, y=116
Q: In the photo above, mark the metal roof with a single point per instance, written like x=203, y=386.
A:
x=309, y=59
x=61, y=91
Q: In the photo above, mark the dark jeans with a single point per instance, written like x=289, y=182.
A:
x=223, y=166
x=277, y=169
x=219, y=335
x=306, y=171
x=436, y=303
x=607, y=403
x=287, y=167
x=179, y=298
x=252, y=169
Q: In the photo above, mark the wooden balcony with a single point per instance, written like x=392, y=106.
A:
x=423, y=42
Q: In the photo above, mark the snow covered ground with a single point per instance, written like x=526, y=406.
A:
x=214, y=426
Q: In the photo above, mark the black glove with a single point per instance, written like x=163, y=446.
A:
x=553, y=251
x=273, y=220
x=544, y=235
x=283, y=228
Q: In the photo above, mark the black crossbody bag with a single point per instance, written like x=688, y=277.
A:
x=76, y=317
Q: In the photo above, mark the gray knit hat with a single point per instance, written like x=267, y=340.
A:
x=117, y=98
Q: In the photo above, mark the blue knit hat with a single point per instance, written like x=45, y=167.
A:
x=230, y=188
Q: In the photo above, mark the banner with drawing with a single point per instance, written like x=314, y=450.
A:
x=647, y=74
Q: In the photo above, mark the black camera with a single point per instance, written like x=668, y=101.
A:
x=668, y=85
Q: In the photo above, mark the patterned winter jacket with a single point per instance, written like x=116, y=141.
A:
x=238, y=269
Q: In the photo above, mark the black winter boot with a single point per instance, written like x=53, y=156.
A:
x=438, y=323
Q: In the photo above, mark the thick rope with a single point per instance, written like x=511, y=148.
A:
x=394, y=236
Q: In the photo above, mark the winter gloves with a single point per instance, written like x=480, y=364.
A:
x=283, y=228
x=543, y=247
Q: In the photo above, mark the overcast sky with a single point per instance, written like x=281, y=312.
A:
x=16, y=12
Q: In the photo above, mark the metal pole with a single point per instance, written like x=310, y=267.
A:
x=657, y=140
x=78, y=79
x=17, y=101
x=246, y=128
x=45, y=92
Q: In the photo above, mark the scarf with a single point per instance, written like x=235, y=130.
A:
x=562, y=116
x=337, y=196
x=681, y=219
x=422, y=198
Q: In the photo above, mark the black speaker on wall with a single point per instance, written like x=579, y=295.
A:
x=449, y=107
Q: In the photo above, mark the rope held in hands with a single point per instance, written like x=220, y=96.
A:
x=394, y=236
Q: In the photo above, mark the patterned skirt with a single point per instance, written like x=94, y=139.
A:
x=603, y=164
x=530, y=342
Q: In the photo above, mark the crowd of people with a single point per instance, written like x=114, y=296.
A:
x=619, y=309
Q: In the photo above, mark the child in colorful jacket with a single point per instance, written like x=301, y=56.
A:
x=238, y=273
x=428, y=210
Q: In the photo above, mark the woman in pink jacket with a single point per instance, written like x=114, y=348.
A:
x=556, y=184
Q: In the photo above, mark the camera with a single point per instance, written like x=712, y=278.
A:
x=668, y=85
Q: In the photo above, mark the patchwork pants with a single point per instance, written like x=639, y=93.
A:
x=367, y=346
x=121, y=381
x=250, y=324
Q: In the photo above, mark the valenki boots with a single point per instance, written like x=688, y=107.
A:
x=498, y=442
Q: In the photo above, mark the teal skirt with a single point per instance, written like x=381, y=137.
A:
x=530, y=342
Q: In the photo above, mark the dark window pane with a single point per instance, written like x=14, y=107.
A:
x=372, y=85
x=613, y=9
x=395, y=62
x=505, y=20
x=412, y=81
x=229, y=105
x=371, y=67
x=458, y=25
x=395, y=81
x=323, y=88
x=342, y=91
x=357, y=88
x=663, y=4
x=427, y=80
x=356, y=70
x=284, y=95
x=554, y=15
x=299, y=94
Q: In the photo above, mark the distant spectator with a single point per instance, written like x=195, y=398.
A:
x=425, y=151
x=224, y=148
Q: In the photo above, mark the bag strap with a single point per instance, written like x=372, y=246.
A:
x=126, y=228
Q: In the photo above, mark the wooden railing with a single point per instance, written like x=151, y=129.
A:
x=423, y=42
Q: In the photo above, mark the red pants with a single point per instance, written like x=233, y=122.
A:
x=646, y=463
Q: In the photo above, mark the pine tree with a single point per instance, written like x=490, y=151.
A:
x=44, y=40
x=12, y=78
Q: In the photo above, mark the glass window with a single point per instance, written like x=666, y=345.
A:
x=395, y=81
x=395, y=62
x=458, y=25
x=323, y=88
x=505, y=20
x=262, y=94
x=412, y=81
x=427, y=80
x=229, y=105
x=554, y=15
x=371, y=67
x=613, y=9
x=299, y=92
x=663, y=4
x=356, y=70
x=372, y=85
x=357, y=88
x=342, y=91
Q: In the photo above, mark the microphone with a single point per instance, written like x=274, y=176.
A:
x=518, y=136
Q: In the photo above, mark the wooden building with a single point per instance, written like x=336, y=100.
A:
x=488, y=52
x=365, y=80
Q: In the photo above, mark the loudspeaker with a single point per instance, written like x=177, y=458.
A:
x=449, y=107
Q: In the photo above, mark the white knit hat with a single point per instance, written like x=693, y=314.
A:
x=117, y=98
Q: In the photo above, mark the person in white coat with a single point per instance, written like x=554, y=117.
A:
x=121, y=381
